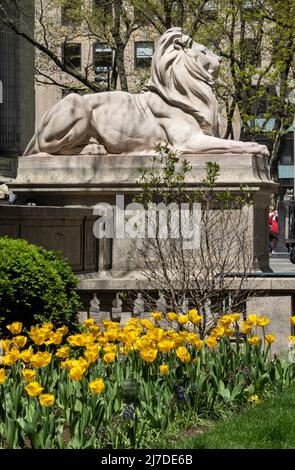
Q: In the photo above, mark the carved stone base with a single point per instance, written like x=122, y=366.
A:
x=66, y=188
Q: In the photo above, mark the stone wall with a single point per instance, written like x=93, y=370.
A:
x=17, y=112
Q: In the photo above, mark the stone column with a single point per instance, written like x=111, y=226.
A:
x=17, y=112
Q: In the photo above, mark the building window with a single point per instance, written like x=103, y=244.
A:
x=210, y=10
x=104, y=6
x=286, y=152
x=264, y=102
x=251, y=52
x=102, y=58
x=71, y=12
x=72, y=55
x=249, y=5
x=144, y=51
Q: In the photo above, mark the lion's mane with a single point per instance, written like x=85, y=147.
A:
x=182, y=81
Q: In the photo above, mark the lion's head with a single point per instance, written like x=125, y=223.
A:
x=183, y=74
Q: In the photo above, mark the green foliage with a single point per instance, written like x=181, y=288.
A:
x=265, y=426
x=167, y=181
x=216, y=381
x=35, y=285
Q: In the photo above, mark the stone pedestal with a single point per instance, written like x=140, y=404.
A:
x=277, y=309
x=65, y=190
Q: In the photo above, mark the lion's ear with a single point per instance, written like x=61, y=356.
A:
x=178, y=43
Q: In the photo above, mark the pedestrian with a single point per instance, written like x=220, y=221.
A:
x=273, y=229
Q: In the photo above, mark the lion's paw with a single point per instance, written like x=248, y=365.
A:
x=93, y=149
x=260, y=149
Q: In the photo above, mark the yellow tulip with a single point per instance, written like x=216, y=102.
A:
x=63, y=330
x=125, y=349
x=111, y=334
x=15, y=328
x=246, y=327
x=193, y=311
x=46, y=399
x=11, y=357
x=91, y=356
x=97, y=386
x=172, y=316
x=194, y=316
x=89, y=322
x=82, y=363
x=254, y=340
x=211, y=341
x=164, y=369
x=76, y=373
x=229, y=331
x=93, y=348
x=110, y=348
x=225, y=320
x=252, y=318
x=254, y=399
x=109, y=357
x=47, y=326
x=270, y=338
x=198, y=343
x=148, y=355
x=40, y=359
x=20, y=341
x=183, y=354
x=63, y=352
x=235, y=317
x=292, y=339
x=218, y=331
x=292, y=320
x=5, y=343
x=55, y=338
x=145, y=323
x=157, y=334
x=166, y=345
x=157, y=316
x=26, y=355
x=38, y=336
x=33, y=389
x=262, y=321
x=183, y=319
x=94, y=330
x=2, y=376
x=102, y=340
x=29, y=375
x=178, y=339
x=75, y=340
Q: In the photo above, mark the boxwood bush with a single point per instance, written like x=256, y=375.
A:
x=36, y=285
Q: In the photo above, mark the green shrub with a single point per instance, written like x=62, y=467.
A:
x=36, y=285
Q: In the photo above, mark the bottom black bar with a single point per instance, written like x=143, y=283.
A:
x=143, y=459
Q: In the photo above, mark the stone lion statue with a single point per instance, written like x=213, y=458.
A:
x=177, y=106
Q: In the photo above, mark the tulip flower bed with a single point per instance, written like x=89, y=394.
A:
x=109, y=387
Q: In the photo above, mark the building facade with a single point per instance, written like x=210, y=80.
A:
x=17, y=103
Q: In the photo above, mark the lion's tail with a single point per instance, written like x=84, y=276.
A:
x=32, y=147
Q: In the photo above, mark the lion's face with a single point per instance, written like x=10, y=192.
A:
x=207, y=58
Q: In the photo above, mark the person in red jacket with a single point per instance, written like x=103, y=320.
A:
x=273, y=228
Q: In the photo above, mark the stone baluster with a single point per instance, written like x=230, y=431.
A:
x=138, y=308
x=117, y=308
x=95, y=311
x=161, y=304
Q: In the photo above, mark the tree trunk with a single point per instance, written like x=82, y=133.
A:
x=120, y=66
x=119, y=63
x=275, y=156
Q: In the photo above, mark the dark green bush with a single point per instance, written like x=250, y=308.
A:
x=36, y=285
